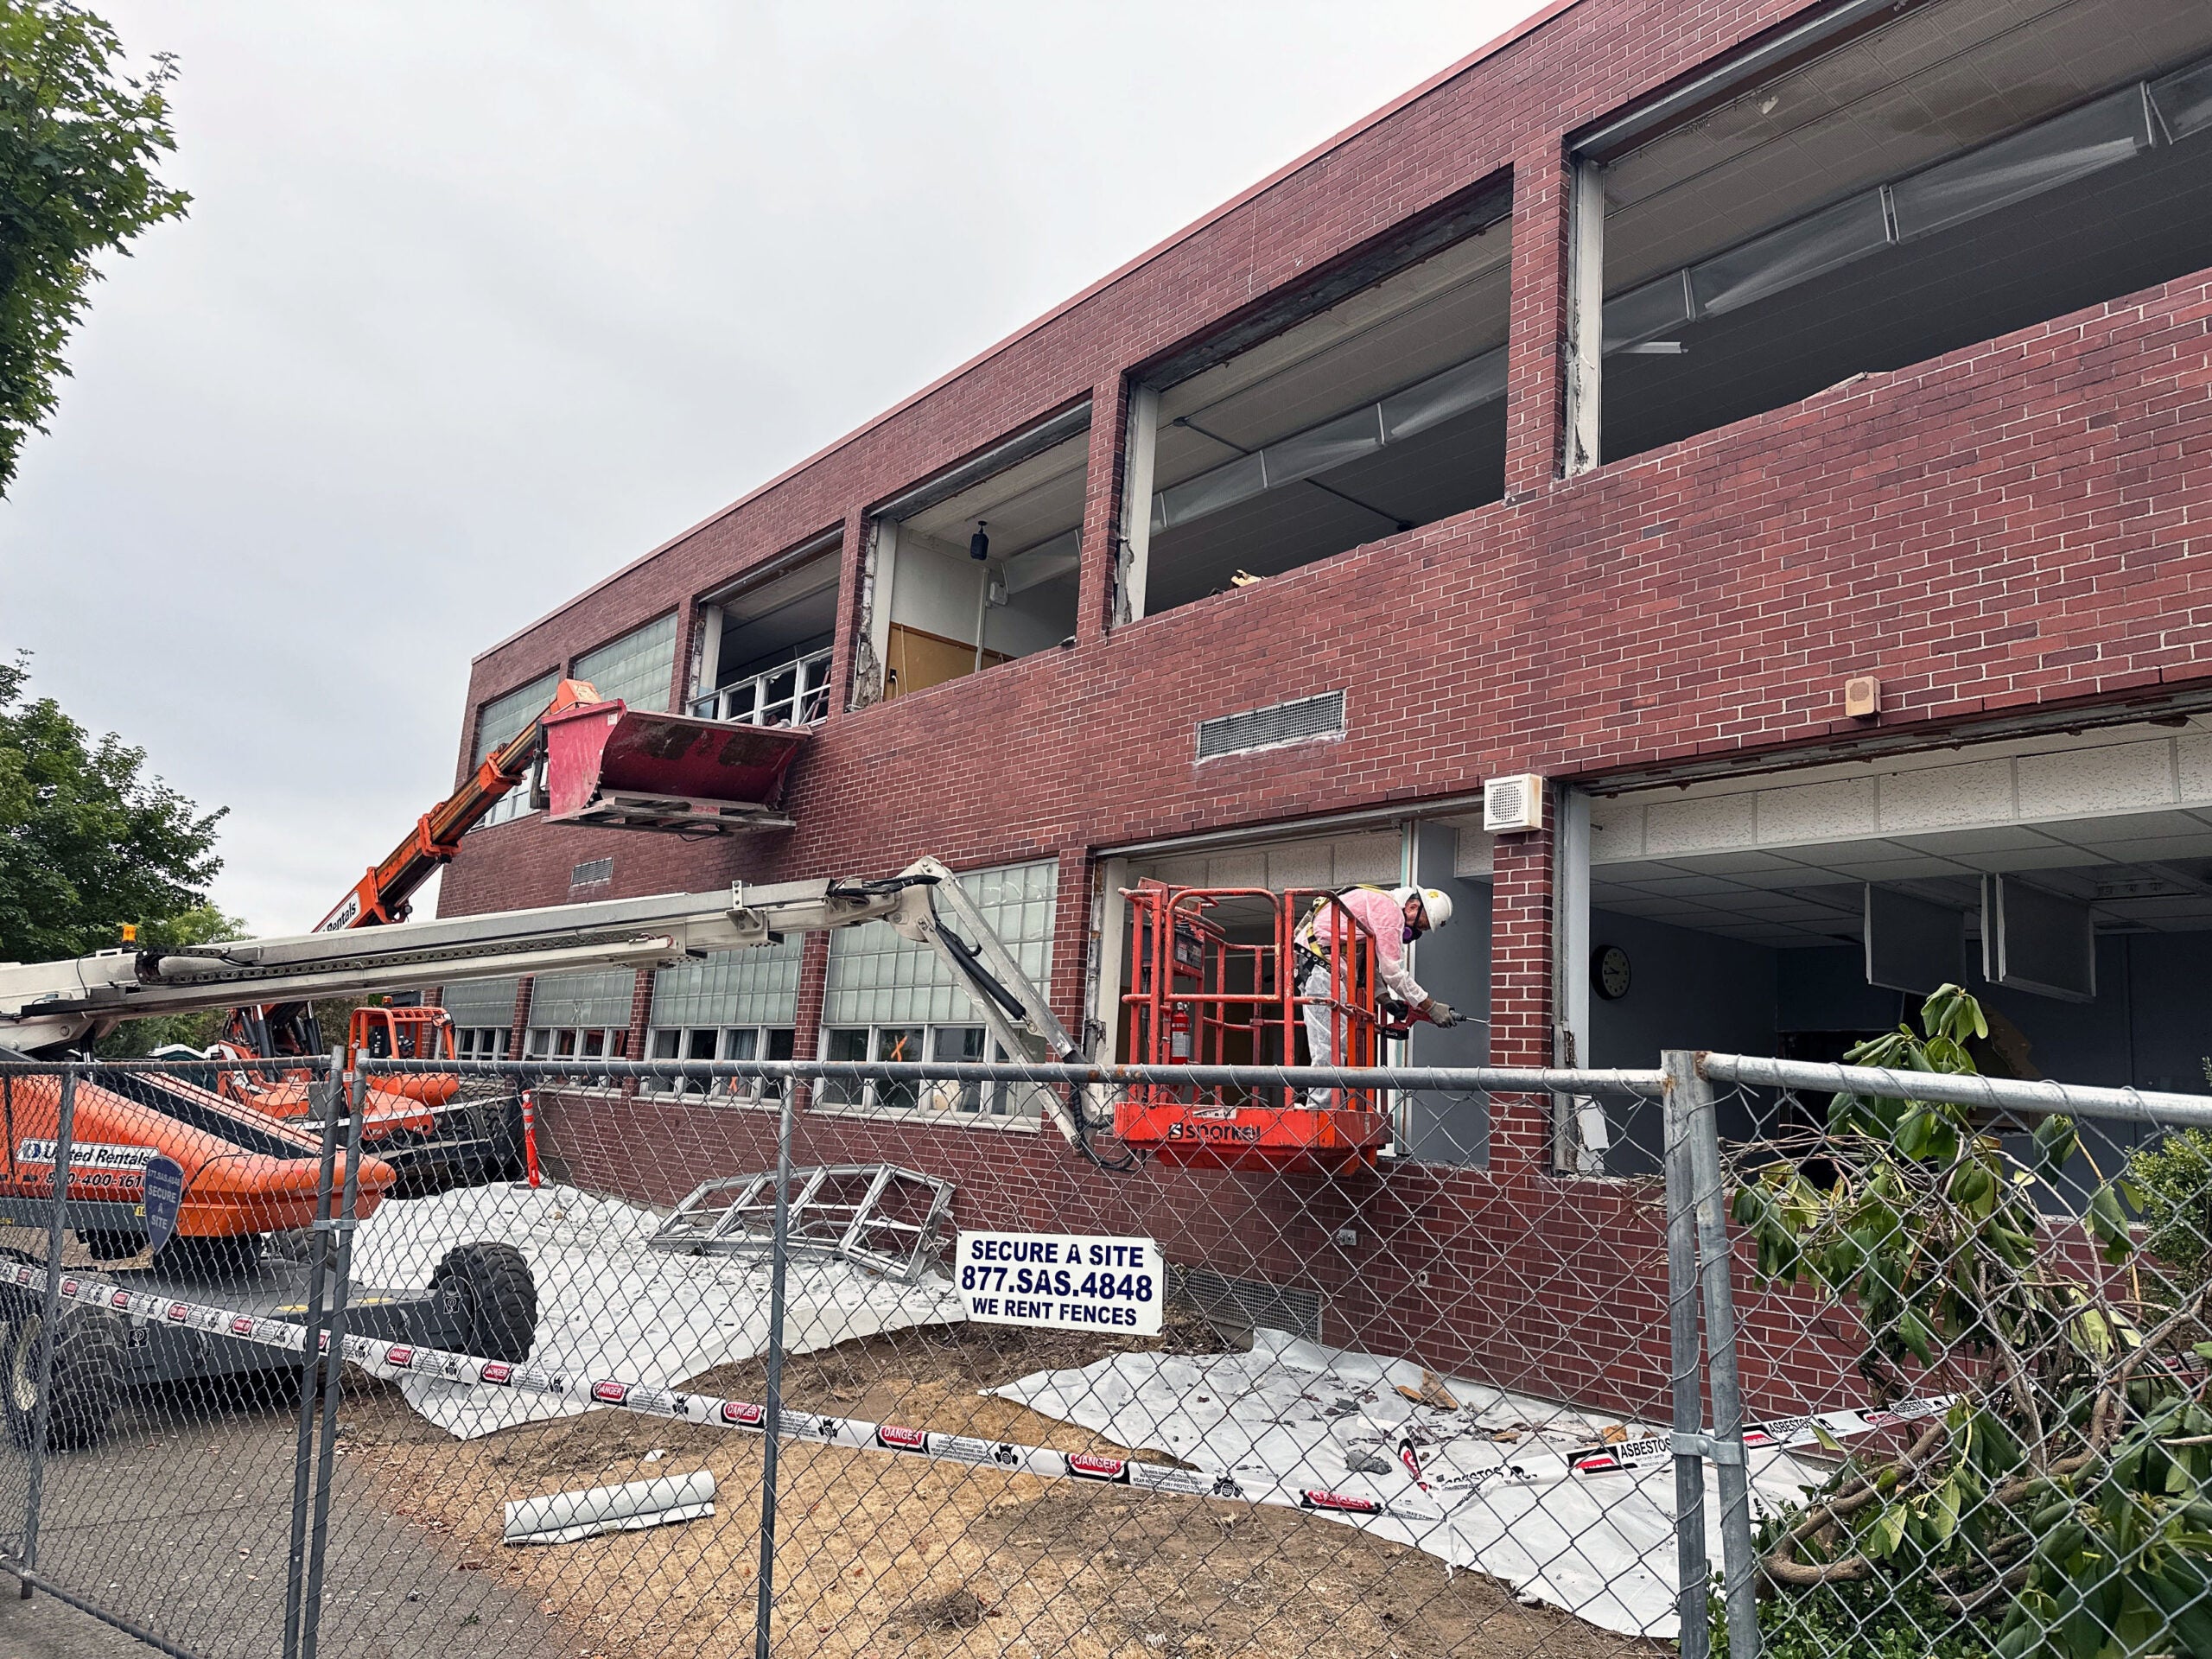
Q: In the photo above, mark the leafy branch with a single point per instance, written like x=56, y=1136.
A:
x=2060, y=1506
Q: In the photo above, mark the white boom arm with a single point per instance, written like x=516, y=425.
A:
x=50, y=1005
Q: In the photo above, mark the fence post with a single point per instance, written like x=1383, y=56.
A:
x=778, y=1260
x=56, y=1230
x=314, y=1374
x=1692, y=1568
x=341, y=1224
x=1738, y=1566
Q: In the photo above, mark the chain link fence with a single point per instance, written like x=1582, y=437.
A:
x=657, y=1359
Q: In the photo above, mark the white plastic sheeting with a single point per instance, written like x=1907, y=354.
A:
x=1298, y=1414
x=565, y=1517
x=608, y=1306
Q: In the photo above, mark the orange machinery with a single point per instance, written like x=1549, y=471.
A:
x=1196, y=997
x=606, y=765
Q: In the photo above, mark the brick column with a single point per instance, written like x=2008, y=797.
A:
x=1071, y=940
x=806, y=1019
x=1521, y=992
x=641, y=1014
x=848, y=616
x=520, y=1022
x=1535, y=387
x=1102, y=510
x=687, y=632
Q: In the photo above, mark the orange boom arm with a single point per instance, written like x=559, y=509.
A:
x=382, y=894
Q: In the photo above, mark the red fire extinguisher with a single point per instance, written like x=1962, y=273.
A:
x=1178, y=1035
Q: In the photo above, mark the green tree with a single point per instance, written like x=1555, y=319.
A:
x=87, y=842
x=78, y=139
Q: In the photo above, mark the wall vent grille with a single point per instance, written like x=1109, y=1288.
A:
x=591, y=874
x=1250, y=1304
x=1302, y=721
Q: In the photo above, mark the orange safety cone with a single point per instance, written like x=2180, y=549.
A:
x=529, y=1136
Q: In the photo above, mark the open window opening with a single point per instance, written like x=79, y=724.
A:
x=760, y=648
x=1958, y=169
x=1225, y=975
x=978, y=566
x=2066, y=881
x=1380, y=412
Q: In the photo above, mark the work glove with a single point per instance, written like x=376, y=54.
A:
x=1441, y=1013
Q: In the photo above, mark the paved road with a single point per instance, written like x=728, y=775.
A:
x=42, y=1628
x=180, y=1522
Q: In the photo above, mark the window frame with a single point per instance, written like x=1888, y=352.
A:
x=871, y=1105
x=616, y=1041
x=754, y=1092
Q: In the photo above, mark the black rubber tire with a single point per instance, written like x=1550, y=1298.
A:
x=112, y=1246
x=89, y=1345
x=503, y=1123
x=485, y=1295
x=226, y=1257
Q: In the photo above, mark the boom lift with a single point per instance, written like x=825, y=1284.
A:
x=246, y=1175
x=591, y=761
x=435, y=1133
x=1213, y=980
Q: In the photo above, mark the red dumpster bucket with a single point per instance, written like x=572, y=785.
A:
x=618, y=767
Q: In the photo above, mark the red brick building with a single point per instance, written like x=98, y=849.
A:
x=1602, y=409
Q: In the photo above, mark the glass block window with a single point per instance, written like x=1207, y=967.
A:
x=597, y=996
x=890, y=999
x=499, y=720
x=756, y=986
x=732, y=1005
x=638, y=667
x=876, y=978
x=583, y=1016
x=482, y=1012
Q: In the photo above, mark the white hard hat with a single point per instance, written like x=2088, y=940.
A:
x=1437, y=905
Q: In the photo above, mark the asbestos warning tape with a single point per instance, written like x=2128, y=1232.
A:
x=394, y=1361
x=1430, y=1498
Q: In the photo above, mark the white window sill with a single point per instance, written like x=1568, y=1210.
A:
x=930, y=1118
x=693, y=1097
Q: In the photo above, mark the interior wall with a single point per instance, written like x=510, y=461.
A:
x=2149, y=1027
x=1686, y=990
x=1451, y=962
x=934, y=591
x=1035, y=619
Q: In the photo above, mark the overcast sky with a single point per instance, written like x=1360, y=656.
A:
x=477, y=301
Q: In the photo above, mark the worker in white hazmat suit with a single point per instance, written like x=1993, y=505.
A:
x=1396, y=917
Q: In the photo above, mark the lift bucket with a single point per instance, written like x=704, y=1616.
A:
x=1197, y=995
x=618, y=767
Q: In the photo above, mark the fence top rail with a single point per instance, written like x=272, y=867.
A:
x=1530, y=1080
x=2005, y=1094
x=12, y=1064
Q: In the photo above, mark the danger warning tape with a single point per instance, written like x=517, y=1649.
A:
x=1430, y=1497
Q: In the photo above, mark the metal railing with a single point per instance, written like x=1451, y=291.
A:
x=796, y=692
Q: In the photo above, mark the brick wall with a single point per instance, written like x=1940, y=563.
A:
x=1556, y=1289
x=2014, y=524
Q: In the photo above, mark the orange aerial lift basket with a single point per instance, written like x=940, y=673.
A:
x=1204, y=992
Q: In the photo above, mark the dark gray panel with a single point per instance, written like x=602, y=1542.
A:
x=2038, y=941
x=1911, y=945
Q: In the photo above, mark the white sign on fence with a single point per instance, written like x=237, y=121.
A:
x=1071, y=1282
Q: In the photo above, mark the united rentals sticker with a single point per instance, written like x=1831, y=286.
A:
x=87, y=1154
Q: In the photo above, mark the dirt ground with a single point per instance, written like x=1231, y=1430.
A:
x=880, y=1554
